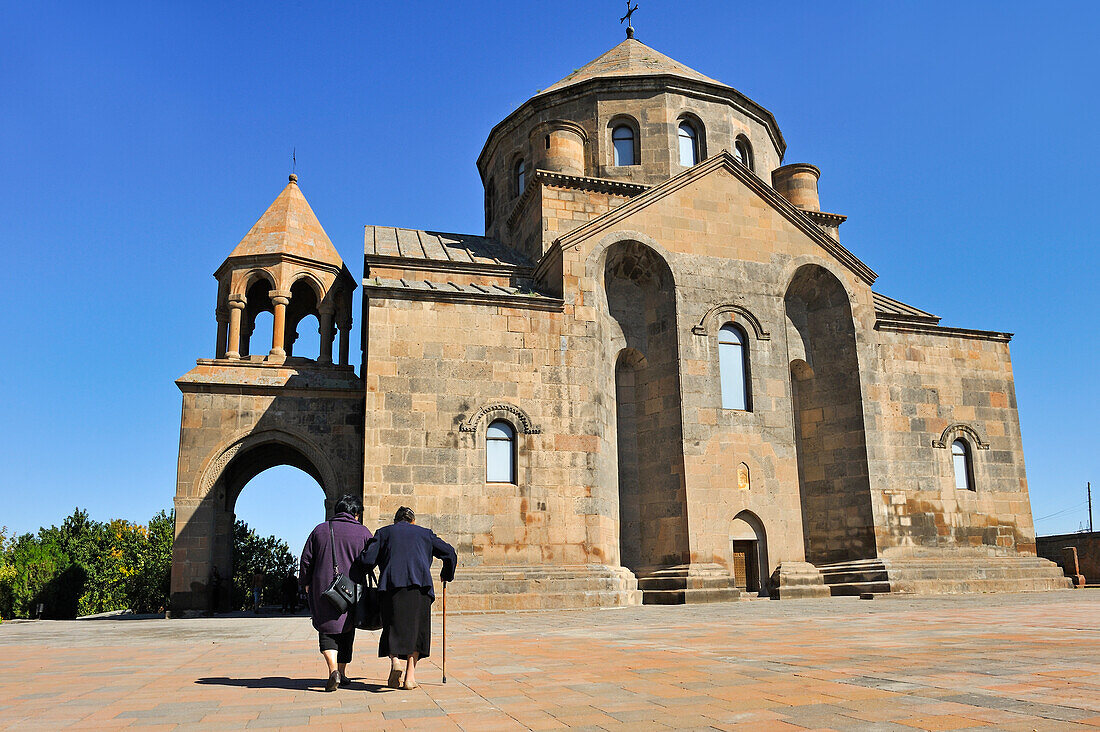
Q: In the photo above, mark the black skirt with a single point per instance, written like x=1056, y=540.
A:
x=406, y=623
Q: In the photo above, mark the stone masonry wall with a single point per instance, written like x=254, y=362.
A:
x=923, y=383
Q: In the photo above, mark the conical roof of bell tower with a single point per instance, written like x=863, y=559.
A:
x=289, y=226
x=630, y=58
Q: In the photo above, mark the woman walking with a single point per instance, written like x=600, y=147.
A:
x=403, y=554
x=342, y=538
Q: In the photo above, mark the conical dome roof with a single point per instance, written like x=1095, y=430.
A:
x=289, y=226
x=630, y=58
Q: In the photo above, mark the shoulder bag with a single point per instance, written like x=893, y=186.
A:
x=342, y=593
x=368, y=615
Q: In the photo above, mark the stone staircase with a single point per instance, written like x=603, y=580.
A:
x=944, y=575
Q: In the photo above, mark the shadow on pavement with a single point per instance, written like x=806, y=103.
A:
x=283, y=682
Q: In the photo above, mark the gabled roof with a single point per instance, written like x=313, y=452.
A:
x=630, y=58
x=289, y=226
x=389, y=241
x=722, y=161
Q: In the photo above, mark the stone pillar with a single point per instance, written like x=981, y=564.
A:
x=223, y=332
x=236, y=309
x=279, y=300
x=797, y=183
x=326, y=320
x=345, y=341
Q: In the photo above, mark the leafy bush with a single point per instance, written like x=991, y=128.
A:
x=85, y=567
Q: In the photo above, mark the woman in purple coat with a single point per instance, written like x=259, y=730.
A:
x=343, y=537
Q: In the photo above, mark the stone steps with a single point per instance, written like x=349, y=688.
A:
x=946, y=575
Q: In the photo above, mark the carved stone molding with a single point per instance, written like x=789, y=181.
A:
x=501, y=410
x=732, y=307
x=945, y=438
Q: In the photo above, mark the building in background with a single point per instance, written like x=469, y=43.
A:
x=657, y=377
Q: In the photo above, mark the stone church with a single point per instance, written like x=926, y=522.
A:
x=657, y=377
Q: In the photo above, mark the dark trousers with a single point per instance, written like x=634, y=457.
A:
x=339, y=642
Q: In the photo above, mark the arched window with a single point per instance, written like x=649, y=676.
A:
x=743, y=152
x=622, y=138
x=733, y=367
x=521, y=176
x=689, y=144
x=960, y=460
x=500, y=453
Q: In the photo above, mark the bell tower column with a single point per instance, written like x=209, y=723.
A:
x=236, y=307
x=326, y=320
x=279, y=299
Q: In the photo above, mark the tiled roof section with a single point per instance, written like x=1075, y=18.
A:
x=890, y=307
x=388, y=241
x=450, y=287
x=289, y=226
x=630, y=58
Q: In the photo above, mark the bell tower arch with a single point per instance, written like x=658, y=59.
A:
x=256, y=405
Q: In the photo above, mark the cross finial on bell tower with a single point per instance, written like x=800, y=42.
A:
x=626, y=18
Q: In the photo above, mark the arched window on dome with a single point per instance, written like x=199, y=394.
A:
x=521, y=176
x=742, y=150
x=622, y=139
x=964, y=469
x=689, y=144
x=733, y=367
x=500, y=453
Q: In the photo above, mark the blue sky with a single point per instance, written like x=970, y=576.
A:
x=141, y=141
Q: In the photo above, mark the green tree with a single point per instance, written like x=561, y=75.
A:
x=252, y=553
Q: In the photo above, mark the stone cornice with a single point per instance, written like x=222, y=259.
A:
x=575, y=182
x=901, y=324
x=726, y=162
x=379, y=292
x=828, y=219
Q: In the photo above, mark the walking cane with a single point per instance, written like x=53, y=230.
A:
x=444, y=632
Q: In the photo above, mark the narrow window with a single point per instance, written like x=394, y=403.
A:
x=733, y=367
x=743, y=152
x=521, y=176
x=622, y=137
x=500, y=453
x=960, y=460
x=689, y=145
x=490, y=201
x=548, y=142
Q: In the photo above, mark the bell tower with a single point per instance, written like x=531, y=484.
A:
x=258, y=405
x=285, y=265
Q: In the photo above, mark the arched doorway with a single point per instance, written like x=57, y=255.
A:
x=205, y=522
x=830, y=435
x=749, y=553
x=649, y=435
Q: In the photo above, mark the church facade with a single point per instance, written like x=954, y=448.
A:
x=657, y=377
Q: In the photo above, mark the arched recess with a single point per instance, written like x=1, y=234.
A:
x=749, y=553
x=503, y=410
x=639, y=292
x=257, y=301
x=830, y=435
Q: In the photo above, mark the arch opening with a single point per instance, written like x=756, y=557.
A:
x=830, y=436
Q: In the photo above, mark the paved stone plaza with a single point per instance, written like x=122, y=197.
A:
x=1017, y=662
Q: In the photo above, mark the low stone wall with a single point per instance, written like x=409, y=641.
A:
x=1088, y=553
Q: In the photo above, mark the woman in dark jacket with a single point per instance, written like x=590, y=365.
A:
x=403, y=554
x=335, y=629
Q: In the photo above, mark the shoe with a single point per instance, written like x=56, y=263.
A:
x=409, y=687
x=345, y=681
x=333, y=681
x=394, y=682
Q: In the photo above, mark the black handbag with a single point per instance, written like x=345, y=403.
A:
x=342, y=593
x=368, y=615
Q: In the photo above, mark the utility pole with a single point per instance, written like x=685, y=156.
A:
x=1088, y=487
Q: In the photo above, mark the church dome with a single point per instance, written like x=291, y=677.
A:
x=634, y=115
